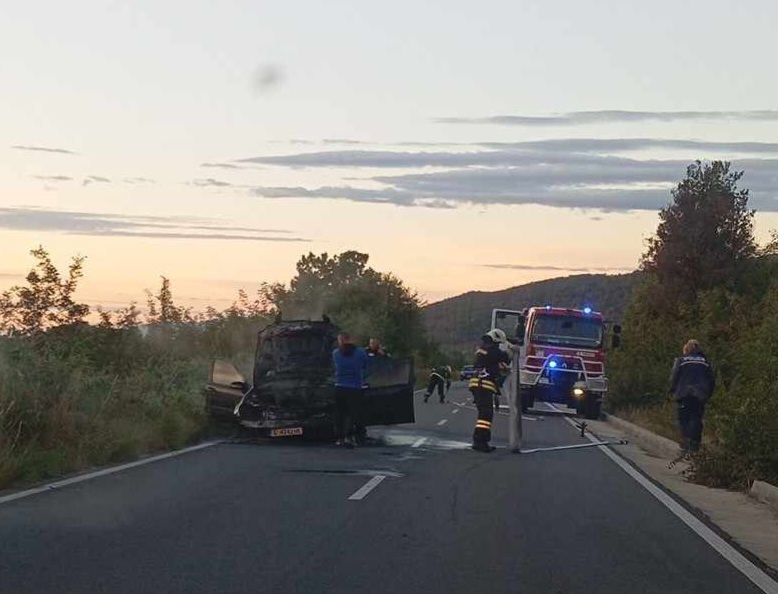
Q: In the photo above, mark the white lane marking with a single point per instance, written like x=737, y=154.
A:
x=365, y=489
x=741, y=563
x=419, y=442
x=455, y=411
x=443, y=422
x=106, y=471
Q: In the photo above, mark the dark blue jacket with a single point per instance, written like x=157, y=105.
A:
x=350, y=364
x=692, y=377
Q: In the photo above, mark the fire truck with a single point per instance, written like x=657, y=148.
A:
x=562, y=355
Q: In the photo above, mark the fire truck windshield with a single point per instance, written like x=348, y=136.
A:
x=569, y=331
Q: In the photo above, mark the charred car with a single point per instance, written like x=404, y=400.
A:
x=292, y=390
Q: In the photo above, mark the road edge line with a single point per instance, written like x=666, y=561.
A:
x=103, y=472
x=739, y=561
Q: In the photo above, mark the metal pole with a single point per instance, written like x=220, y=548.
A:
x=516, y=430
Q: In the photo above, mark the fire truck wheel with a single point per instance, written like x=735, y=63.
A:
x=593, y=409
x=527, y=399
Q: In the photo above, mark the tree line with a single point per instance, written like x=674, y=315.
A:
x=706, y=277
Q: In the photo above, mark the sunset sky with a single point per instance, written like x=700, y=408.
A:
x=463, y=145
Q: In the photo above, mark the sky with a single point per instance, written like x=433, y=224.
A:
x=464, y=146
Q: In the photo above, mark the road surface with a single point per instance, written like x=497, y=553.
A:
x=416, y=512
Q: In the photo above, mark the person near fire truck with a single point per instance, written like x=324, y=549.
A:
x=440, y=378
x=491, y=361
x=692, y=382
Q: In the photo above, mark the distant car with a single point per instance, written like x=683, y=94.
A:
x=468, y=372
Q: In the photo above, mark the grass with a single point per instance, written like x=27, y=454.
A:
x=70, y=405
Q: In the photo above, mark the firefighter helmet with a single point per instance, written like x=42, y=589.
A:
x=497, y=336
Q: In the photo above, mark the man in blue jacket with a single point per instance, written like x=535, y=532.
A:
x=691, y=383
x=350, y=361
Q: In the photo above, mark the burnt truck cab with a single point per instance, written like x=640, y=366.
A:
x=292, y=390
x=562, y=358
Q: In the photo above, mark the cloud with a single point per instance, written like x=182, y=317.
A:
x=92, y=179
x=211, y=183
x=43, y=149
x=344, y=141
x=619, y=145
x=528, y=267
x=138, y=180
x=53, y=178
x=101, y=224
x=565, y=173
x=221, y=165
x=579, y=118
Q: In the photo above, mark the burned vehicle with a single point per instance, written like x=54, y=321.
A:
x=292, y=392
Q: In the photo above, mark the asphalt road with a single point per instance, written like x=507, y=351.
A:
x=287, y=517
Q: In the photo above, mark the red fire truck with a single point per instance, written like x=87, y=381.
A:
x=562, y=358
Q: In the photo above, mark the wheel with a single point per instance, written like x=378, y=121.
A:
x=593, y=408
x=527, y=399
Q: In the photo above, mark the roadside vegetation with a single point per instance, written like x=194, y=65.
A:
x=82, y=388
x=705, y=277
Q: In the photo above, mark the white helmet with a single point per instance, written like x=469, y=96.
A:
x=497, y=336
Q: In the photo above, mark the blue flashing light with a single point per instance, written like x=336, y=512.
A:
x=587, y=310
x=548, y=307
x=552, y=364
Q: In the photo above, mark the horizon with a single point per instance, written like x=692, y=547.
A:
x=461, y=151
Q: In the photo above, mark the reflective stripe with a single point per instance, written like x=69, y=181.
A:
x=483, y=424
x=485, y=384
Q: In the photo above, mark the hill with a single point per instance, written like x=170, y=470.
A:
x=457, y=322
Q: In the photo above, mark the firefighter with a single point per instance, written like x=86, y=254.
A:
x=440, y=378
x=691, y=383
x=490, y=363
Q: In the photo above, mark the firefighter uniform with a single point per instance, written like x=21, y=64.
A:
x=440, y=378
x=490, y=362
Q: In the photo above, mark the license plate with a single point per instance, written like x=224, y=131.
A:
x=286, y=432
x=544, y=380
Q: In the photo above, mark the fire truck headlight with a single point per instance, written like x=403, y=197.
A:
x=578, y=392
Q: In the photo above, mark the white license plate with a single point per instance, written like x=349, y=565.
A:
x=286, y=432
x=544, y=380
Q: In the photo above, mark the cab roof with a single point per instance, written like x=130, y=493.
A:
x=566, y=311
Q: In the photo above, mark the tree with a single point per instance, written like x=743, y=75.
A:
x=162, y=308
x=704, y=233
x=46, y=302
x=358, y=298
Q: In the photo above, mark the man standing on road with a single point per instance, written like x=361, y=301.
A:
x=490, y=361
x=691, y=383
x=350, y=363
x=440, y=378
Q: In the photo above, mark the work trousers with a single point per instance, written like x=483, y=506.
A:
x=440, y=384
x=484, y=402
x=348, y=411
x=690, y=413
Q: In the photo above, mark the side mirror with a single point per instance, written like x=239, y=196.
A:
x=617, y=328
x=615, y=341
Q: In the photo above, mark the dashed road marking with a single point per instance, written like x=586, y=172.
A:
x=365, y=489
x=419, y=442
x=455, y=411
x=442, y=422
